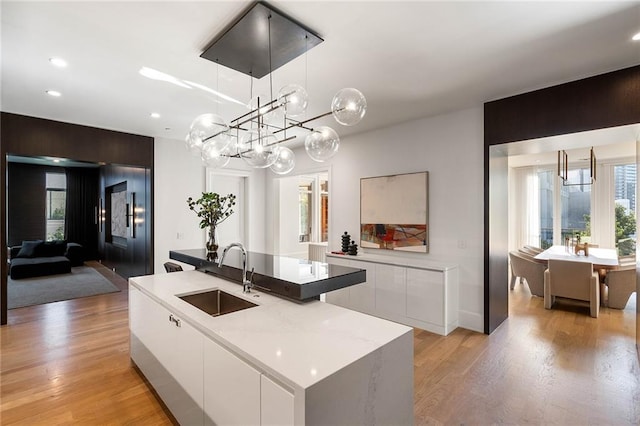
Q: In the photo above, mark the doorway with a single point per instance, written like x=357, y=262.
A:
x=233, y=182
x=303, y=220
x=544, y=211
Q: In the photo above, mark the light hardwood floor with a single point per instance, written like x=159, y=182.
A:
x=68, y=363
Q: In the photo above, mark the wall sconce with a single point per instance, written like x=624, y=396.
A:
x=563, y=169
x=131, y=214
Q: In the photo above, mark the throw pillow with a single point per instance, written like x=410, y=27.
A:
x=29, y=248
x=51, y=248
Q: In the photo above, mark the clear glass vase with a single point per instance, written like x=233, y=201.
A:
x=212, y=242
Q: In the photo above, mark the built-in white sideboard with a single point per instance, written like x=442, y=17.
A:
x=422, y=295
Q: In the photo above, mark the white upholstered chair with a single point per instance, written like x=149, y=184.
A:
x=572, y=280
x=621, y=283
x=524, y=266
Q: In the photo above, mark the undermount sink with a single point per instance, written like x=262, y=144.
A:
x=217, y=302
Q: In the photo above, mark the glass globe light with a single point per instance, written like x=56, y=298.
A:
x=216, y=154
x=269, y=114
x=348, y=106
x=294, y=99
x=256, y=148
x=204, y=128
x=193, y=144
x=285, y=161
x=322, y=143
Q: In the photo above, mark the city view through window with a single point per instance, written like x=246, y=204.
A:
x=575, y=206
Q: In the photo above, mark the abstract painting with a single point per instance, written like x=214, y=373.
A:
x=119, y=214
x=394, y=212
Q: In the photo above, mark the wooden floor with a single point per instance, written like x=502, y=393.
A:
x=68, y=363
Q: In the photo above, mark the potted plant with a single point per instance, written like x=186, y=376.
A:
x=212, y=209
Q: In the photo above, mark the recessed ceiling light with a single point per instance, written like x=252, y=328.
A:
x=154, y=115
x=54, y=93
x=636, y=37
x=58, y=62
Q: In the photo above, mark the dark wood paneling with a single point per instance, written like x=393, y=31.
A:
x=32, y=136
x=496, y=299
x=136, y=257
x=606, y=100
x=3, y=235
x=26, y=202
x=603, y=101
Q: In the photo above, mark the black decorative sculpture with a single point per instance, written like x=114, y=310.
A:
x=353, y=248
x=346, y=238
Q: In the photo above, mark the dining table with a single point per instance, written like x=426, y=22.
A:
x=601, y=258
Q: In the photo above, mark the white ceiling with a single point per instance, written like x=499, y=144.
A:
x=410, y=59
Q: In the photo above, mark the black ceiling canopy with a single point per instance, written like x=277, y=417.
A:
x=244, y=45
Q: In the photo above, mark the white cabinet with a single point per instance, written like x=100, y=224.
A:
x=416, y=295
x=390, y=290
x=359, y=297
x=362, y=297
x=171, y=355
x=200, y=381
x=339, y=297
x=231, y=388
x=425, y=293
x=276, y=404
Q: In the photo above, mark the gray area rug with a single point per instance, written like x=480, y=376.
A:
x=81, y=282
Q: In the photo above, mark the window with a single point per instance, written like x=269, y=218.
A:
x=56, y=201
x=305, y=191
x=545, y=184
x=625, y=207
x=313, y=200
x=575, y=201
x=324, y=210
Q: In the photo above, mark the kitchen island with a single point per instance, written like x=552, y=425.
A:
x=297, y=279
x=278, y=362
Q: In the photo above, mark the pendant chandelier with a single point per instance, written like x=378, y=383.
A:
x=258, y=135
x=563, y=169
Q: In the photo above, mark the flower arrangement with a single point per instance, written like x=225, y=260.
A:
x=212, y=209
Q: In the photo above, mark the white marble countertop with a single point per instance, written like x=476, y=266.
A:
x=297, y=343
x=397, y=261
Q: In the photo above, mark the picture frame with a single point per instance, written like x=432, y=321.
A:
x=394, y=212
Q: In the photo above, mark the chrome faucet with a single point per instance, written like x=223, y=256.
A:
x=246, y=284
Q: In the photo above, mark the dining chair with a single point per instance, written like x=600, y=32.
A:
x=524, y=266
x=621, y=283
x=572, y=280
x=172, y=267
x=536, y=250
x=628, y=260
x=530, y=250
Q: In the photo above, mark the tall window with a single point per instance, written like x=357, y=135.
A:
x=313, y=200
x=305, y=191
x=545, y=184
x=575, y=202
x=324, y=209
x=55, y=205
x=625, y=208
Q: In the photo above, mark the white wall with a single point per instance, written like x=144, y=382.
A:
x=450, y=148
x=289, y=219
x=179, y=175
x=255, y=221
